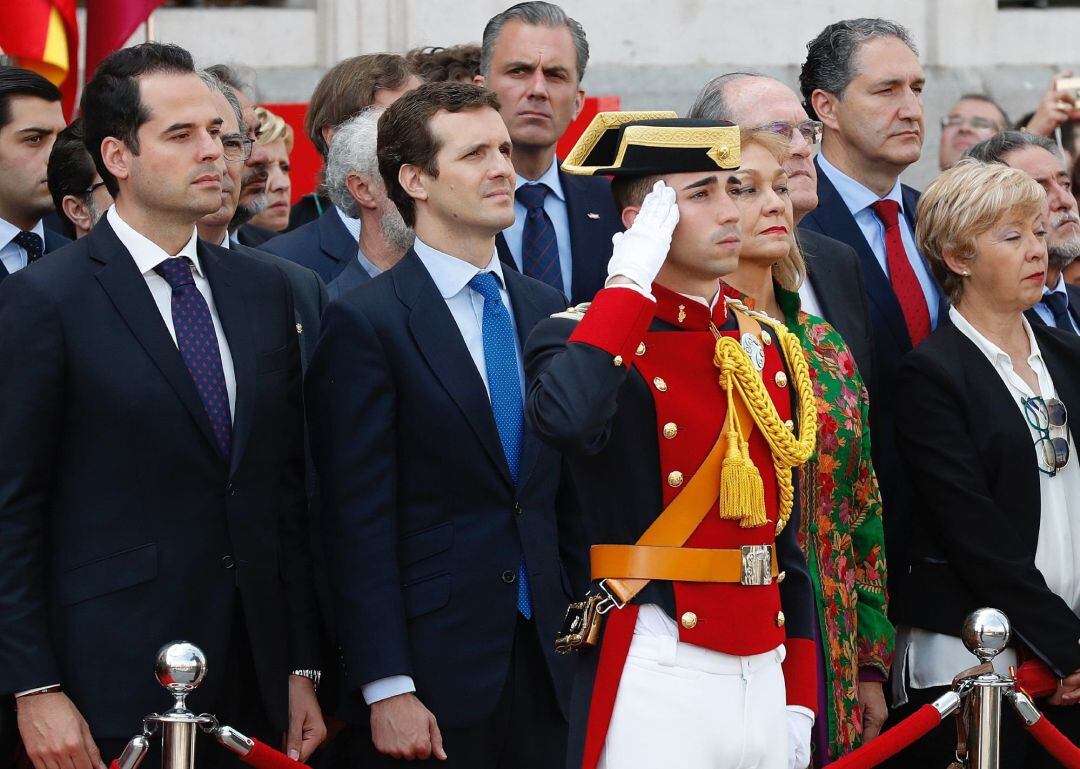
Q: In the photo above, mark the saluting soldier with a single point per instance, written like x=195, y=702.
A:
x=682, y=414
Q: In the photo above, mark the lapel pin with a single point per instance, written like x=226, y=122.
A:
x=299, y=328
x=592, y=215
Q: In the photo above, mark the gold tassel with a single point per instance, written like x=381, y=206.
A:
x=742, y=494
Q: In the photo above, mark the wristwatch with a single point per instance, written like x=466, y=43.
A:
x=313, y=675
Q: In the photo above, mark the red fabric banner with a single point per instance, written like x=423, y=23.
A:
x=109, y=24
x=42, y=35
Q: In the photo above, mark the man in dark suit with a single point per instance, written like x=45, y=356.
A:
x=77, y=191
x=1040, y=157
x=438, y=504
x=154, y=433
x=863, y=81
x=355, y=186
x=834, y=288
x=30, y=120
x=533, y=56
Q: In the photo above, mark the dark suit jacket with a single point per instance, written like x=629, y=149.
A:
x=891, y=342
x=833, y=270
x=969, y=455
x=121, y=526
x=590, y=210
x=307, y=209
x=424, y=526
x=53, y=241
x=1074, y=307
x=324, y=245
x=253, y=236
x=352, y=276
x=308, y=294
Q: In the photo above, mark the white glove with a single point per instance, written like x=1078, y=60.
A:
x=800, y=721
x=639, y=253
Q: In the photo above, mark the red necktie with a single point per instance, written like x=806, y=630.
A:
x=902, y=275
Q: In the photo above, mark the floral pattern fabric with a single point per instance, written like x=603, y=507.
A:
x=840, y=527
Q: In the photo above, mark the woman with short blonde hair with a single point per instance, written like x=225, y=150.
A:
x=840, y=527
x=277, y=136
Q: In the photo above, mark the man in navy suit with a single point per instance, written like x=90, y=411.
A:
x=533, y=56
x=152, y=431
x=30, y=120
x=438, y=504
x=862, y=79
x=1040, y=157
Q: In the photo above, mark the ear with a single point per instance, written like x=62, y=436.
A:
x=480, y=80
x=824, y=105
x=75, y=210
x=117, y=157
x=955, y=261
x=360, y=188
x=579, y=102
x=411, y=179
x=629, y=216
x=327, y=132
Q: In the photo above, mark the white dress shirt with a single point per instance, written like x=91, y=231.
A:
x=352, y=225
x=808, y=301
x=452, y=276
x=555, y=208
x=1045, y=313
x=858, y=198
x=929, y=659
x=12, y=255
x=147, y=256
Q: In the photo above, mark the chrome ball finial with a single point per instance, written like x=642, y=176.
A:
x=986, y=632
x=180, y=667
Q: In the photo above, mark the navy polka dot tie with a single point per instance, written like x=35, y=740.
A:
x=539, y=247
x=197, y=340
x=500, y=361
x=31, y=244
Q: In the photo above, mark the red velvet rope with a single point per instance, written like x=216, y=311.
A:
x=1056, y=743
x=262, y=756
x=888, y=744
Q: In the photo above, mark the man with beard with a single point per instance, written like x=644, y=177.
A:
x=1039, y=157
x=862, y=79
x=834, y=287
x=30, y=119
x=356, y=187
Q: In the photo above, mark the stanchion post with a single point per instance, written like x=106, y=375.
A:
x=986, y=633
x=180, y=667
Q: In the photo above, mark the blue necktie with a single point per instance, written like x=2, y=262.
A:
x=1059, y=307
x=197, y=340
x=539, y=247
x=500, y=361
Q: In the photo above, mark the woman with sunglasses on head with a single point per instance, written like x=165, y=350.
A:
x=984, y=433
x=840, y=524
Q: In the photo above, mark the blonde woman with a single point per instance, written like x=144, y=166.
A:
x=277, y=137
x=840, y=528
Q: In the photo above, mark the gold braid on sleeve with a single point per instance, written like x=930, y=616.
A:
x=740, y=496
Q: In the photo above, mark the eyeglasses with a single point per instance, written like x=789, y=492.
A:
x=810, y=130
x=236, y=148
x=1044, y=415
x=90, y=190
x=974, y=123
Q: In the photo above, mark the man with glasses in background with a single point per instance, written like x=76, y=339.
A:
x=77, y=190
x=834, y=288
x=974, y=118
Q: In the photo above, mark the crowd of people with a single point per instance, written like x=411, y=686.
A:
x=715, y=404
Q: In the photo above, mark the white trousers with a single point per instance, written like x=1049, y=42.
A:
x=680, y=706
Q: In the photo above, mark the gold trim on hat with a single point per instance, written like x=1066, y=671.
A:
x=723, y=142
x=601, y=123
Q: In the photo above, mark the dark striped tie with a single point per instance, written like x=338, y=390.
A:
x=539, y=247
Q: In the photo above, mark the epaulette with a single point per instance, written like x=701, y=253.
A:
x=575, y=313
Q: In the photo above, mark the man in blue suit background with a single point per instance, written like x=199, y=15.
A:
x=438, y=505
x=862, y=79
x=533, y=56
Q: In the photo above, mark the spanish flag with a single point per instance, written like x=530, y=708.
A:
x=42, y=35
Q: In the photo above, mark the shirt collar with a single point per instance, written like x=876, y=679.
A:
x=1058, y=289
x=146, y=253
x=855, y=194
x=227, y=241
x=994, y=353
x=452, y=275
x=8, y=231
x=550, y=178
x=351, y=224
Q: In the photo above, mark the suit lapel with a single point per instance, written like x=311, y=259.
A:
x=439, y=341
x=587, y=233
x=229, y=301
x=127, y=290
x=833, y=218
x=526, y=315
x=334, y=239
x=502, y=248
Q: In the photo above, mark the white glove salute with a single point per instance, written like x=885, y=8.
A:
x=639, y=252
x=799, y=723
